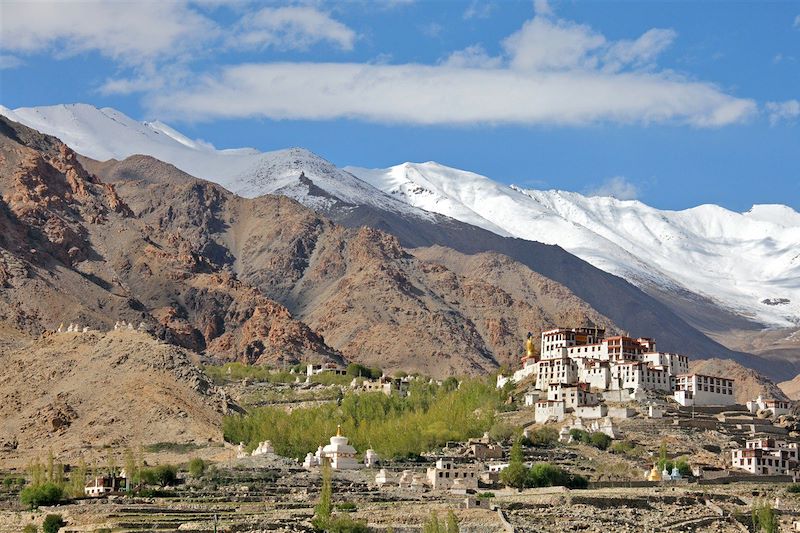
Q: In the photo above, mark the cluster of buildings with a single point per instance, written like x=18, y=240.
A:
x=576, y=369
x=767, y=457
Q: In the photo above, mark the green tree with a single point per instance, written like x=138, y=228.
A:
x=197, y=467
x=451, y=526
x=52, y=523
x=600, y=441
x=161, y=475
x=322, y=511
x=765, y=519
x=432, y=525
x=544, y=436
x=45, y=494
x=77, y=479
x=516, y=473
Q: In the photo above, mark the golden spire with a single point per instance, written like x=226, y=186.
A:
x=338, y=430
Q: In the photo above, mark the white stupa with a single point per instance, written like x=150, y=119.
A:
x=371, y=458
x=341, y=455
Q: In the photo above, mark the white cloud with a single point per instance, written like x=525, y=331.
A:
x=617, y=187
x=131, y=32
x=478, y=9
x=9, y=61
x=431, y=29
x=420, y=94
x=472, y=57
x=542, y=8
x=552, y=72
x=292, y=27
x=796, y=22
x=546, y=44
x=788, y=111
x=641, y=51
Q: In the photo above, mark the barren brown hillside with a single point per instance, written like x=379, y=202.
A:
x=76, y=393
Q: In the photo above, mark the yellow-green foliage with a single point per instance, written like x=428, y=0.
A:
x=393, y=426
x=238, y=371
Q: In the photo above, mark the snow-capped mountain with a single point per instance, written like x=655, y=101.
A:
x=106, y=133
x=747, y=262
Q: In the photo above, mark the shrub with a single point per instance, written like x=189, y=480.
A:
x=52, y=523
x=623, y=447
x=547, y=475
x=794, y=488
x=161, y=475
x=346, y=506
x=7, y=482
x=355, y=370
x=601, y=441
x=173, y=447
x=197, y=467
x=44, y=494
x=501, y=431
x=765, y=519
x=579, y=435
x=683, y=466
x=486, y=495
x=30, y=528
x=543, y=436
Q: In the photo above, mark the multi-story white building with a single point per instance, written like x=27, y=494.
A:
x=637, y=375
x=448, y=474
x=673, y=362
x=573, y=396
x=596, y=373
x=778, y=407
x=766, y=457
x=699, y=389
x=549, y=411
x=560, y=369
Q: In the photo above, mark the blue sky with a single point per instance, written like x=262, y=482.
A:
x=674, y=103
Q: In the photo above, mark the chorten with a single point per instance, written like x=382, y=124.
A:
x=654, y=475
x=341, y=455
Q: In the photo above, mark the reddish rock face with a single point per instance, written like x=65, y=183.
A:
x=255, y=280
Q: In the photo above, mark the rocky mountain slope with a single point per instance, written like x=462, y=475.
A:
x=367, y=296
x=76, y=393
x=744, y=262
x=72, y=250
x=666, y=313
x=262, y=280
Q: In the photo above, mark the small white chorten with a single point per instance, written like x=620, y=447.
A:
x=341, y=455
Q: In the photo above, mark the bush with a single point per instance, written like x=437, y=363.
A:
x=52, y=523
x=197, y=467
x=501, y=431
x=547, y=475
x=348, y=507
x=486, y=495
x=623, y=447
x=543, y=437
x=765, y=519
x=161, y=475
x=356, y=370
x=579, y=435
x=44, y=494
x=601, y=441
x=30, y=528
x=683, y=466
x=7, y=482
x=794, y=488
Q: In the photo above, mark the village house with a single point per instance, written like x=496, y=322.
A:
x=313, y=370
x=549, y=411
x=104, y=485
x=766, y=457
x=573, y=395
x=698, y=389
x=447, y=474
x=778, y=407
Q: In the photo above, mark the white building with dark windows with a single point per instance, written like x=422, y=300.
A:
x=699, y=389
x=778, y=407
x=766, y=457
x=448, y=474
